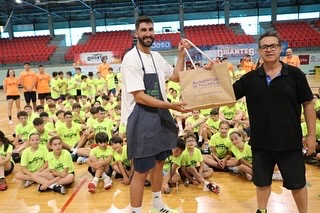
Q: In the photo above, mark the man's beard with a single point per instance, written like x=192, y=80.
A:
x=141, y=41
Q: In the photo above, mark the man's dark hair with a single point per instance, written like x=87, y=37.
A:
x=270, y=34
x=143, y=19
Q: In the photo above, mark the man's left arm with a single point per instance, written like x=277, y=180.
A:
x=310, y=116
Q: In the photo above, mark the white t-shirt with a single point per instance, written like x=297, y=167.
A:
x=132, y=77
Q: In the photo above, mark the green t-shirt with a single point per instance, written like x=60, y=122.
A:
x=71, y=135
x=33, y=161
x=111, y=81
x=54, y=85
x=222, y=145
x=105, y=126
x=123, y=157
x=228, y=112
x=85, y=88
x=246, y=154
x=3, y=153
x=194, y=121
x=58, y=164
x=77, y=77
x=72, y=86
x=213, y=124
x=92, y=83
x=62, y=85
x=24, y=130
x=100, y=83
x=102, y=153
x=44, y=137
x=76, y=119
x=194, y=160
x=171, y=160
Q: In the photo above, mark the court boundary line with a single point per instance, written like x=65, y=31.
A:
x=65, y=206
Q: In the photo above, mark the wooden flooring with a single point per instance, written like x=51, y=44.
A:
x=237, y=194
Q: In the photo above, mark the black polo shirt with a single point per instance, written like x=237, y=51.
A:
x=274, y=109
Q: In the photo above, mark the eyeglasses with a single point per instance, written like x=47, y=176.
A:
x=190, y=140
x=273, y=47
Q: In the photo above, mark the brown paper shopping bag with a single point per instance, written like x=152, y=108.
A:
x=203, y=89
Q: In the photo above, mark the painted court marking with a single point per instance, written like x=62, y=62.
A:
x=65, y=206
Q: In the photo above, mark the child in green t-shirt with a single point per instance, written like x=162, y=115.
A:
x=172, y=163
x=6, y=162
x=99, y=162
x=33, y=159
x=220, y=144
x=61, y=169
x=121, y=163
x=193, y=168
x=22, y=131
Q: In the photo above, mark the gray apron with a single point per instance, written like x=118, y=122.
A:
x=150, y=130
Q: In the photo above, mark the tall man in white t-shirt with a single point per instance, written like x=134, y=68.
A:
x=151, y=131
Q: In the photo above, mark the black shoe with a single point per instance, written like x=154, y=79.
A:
x=118, y=175
x=42, y=190
x=16, y=157
x=74, y=157
x=60, y=189
x=147, y=183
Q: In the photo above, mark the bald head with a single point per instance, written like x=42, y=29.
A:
x=289, y=52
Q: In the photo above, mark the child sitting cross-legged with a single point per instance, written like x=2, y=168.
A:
x=61, y=169
x=99, y=162
x=192, y=165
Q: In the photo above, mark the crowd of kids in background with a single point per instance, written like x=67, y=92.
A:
x=78, y=120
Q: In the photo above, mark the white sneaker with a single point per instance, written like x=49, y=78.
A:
x=10, y=122
x=82, y=160
x=27, y=183
x=181, y=133
x=107, y=183
x=233, y=169
x=165, y=209
x=277, y=176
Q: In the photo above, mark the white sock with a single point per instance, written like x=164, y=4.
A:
x=52, y=185
x=200, y=138
x=74, y=151
x=135, y=209
x=180, y=125
x=104, y=176
x=157, y=200
x=206, y=183
x=95, y=179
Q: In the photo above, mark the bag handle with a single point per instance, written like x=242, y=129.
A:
x=197, y=48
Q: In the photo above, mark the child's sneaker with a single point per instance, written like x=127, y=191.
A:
x=213, y=187
x=43, y=190
x=164, y=209
x=3, y=184
x=107, y=183
x=59, y=188
x=27, y=183
x=82, y=160
x=277, y=176
x=92, y=187
x=233, y=169
x=186, y=182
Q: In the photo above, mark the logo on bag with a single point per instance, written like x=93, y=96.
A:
x=205, y=83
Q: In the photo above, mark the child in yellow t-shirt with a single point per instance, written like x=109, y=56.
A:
x=192, y=165
x=6, y=161
x=61, y=169
x=33, y=159
x=121, y=164
x=99, y=162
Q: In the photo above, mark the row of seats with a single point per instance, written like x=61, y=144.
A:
x=25, y=49
x=116, y=41
x=298, y=34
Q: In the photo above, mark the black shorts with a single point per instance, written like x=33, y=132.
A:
x=30, y=96
x=8, y=172
x=144, y=164
x=13, y=97
x=290, y=163
x=42, y=96
x=78, y=92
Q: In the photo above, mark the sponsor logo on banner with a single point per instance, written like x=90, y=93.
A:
x=161, y=45
x=304, y=59
x=314, y=58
